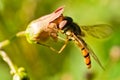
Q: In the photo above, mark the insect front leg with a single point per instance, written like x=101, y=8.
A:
x=53, y=49
x=53, y=31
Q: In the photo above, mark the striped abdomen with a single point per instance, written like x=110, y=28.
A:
x=83, y=46
x=86, y=55
x=85, y=52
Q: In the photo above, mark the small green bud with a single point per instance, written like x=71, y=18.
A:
x=21, y=74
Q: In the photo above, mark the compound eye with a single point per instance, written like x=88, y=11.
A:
x=67, y=21
x=62, y=24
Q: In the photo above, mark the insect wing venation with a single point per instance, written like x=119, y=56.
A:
x=98, y=31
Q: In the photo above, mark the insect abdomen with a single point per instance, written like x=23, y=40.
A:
x=86, y=55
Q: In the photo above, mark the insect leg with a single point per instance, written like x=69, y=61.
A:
x=61, y=38
x=63, y=47
x=53, y=49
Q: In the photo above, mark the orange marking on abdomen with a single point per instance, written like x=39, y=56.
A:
x=86, y=57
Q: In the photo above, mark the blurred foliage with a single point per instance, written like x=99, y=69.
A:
x=43, y=64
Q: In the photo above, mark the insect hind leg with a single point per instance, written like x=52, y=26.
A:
x=53, y=49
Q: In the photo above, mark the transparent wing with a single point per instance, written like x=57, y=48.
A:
x=95, y=57
x=98, y=31
x=82, y=43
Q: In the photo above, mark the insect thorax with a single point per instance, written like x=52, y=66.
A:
x=71, y=26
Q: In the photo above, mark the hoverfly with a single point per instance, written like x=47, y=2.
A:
x=75, y=32
x=40, y=30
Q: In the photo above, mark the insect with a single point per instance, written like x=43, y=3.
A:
x=48, y=26
x=75, y=32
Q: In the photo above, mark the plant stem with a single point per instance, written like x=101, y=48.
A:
x=8, y=41
x=17, y=73
x=8, y=61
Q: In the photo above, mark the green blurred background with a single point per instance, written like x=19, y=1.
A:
x=43, y=64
